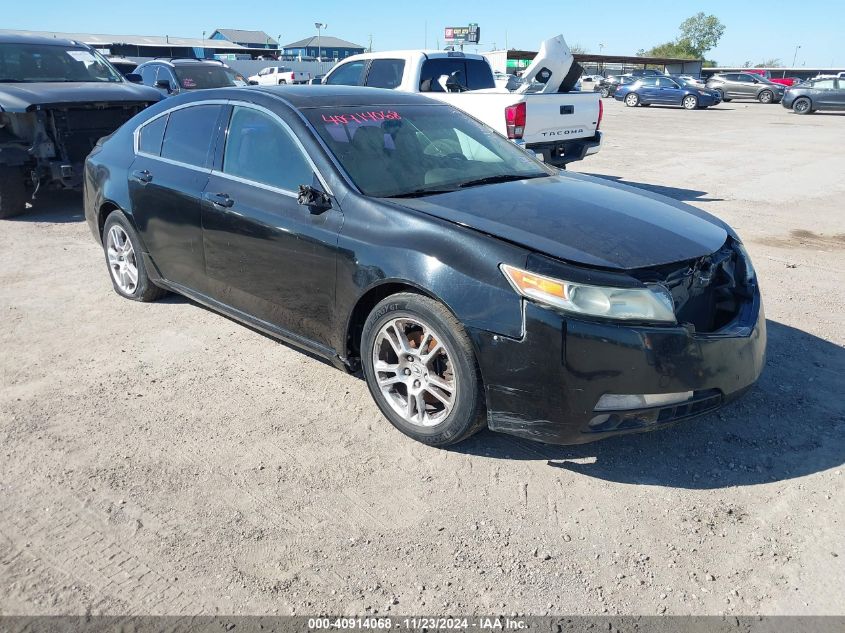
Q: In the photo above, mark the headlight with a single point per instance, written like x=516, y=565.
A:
x=750, y=273
x=653, y=303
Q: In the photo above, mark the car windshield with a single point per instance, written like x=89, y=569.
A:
x=199, y=77
x=30, y=63
x=419, y=150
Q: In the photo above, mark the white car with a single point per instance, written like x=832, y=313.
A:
x=541, y=114
x=279, y=75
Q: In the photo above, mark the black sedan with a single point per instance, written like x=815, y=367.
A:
x=391, y=234
x=825, y=93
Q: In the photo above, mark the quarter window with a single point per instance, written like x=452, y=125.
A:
x=824, y=84
x=189, y=134
x=151, y=135
x=260, y=149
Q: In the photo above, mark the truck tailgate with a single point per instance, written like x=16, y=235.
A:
x=560, y=116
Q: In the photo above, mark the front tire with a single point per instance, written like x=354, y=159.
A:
x=767, y=96
x=421, y=370
x=122, y=249
x=802, y=105
x=12, y=192
x=632, y=100
x=690, y=102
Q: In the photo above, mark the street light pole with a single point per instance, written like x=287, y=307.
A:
x=795, y=56
x=318, y=26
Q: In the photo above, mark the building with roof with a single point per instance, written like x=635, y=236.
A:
x=154, y=45
x=247, y=39
x=324, y=46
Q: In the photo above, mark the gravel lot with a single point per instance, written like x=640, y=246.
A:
x=163, y=459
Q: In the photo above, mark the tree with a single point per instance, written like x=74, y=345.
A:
x=701, y=33
x=698, y=35
x=774, y=62
x=577, y=49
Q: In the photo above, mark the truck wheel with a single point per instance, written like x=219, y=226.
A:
x=421, y=370
x=12, y=192
x=802, y=105
x=282, y=82
x=767, y=96
x=632, y=100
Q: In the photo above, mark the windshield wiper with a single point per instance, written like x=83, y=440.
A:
x=419, y=193
x=490, y=180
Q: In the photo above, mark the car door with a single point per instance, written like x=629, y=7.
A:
x=746, y=86
x=668, y=91
x=838, y=95
x=648, y=90
x=824, y=94
x=265, y=254
x=166, y=182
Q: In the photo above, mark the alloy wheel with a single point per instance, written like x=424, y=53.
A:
x=122, y=263
x=413, y=367
x=690, y=102
x=631, y=100
x=801, y=106
x=766, y=97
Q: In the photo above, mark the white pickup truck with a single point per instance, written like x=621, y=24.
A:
x=278, y=75
x=540, y=114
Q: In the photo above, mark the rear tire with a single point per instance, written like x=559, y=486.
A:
x=767, y=96
x=605, y=93
x=282, y=82
x=401, y=372
x=122, y=248
x=802, y=105
x=12, y=192
x=632, y=99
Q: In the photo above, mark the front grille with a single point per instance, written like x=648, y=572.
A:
x=702, y=402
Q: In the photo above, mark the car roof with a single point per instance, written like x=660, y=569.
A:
x=308, y=96
x=35, y=39
x=187, y=61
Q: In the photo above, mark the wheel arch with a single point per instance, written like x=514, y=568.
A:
x=105, y=210
x=369, y=299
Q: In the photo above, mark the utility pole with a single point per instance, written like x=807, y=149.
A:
x=370, y=50
x=319, y=25
x=795, y=56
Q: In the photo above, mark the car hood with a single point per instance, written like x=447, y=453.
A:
x=583, y=220
x=20, y=97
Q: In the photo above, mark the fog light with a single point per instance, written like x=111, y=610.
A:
x=622, y=402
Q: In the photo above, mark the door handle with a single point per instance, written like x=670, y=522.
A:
x=142, y=176
x=219, y=199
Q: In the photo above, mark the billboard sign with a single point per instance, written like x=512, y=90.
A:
x=463, y=34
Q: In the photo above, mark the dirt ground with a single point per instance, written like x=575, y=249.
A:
x=163, y=459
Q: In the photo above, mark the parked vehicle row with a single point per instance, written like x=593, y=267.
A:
x=470, y=284
x=664, y=90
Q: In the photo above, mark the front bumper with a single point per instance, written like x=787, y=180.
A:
x=545, y=386
x=560, y=153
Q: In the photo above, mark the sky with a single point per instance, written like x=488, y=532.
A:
x=756, y=31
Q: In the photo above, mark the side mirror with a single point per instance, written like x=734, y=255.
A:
x=135, y=78
x=316, y=200
x=164, y=84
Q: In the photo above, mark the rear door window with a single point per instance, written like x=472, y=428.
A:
x=348, y=74
x=189, y=132
x=385, y=73
x=475, y=74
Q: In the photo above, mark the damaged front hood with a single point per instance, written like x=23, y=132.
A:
x=21, y=97
x=583, y=220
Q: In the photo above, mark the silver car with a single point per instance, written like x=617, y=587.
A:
x=746, y=86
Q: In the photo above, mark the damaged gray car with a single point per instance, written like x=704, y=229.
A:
x=57, y=99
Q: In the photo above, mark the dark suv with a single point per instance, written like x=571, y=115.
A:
x=746, y=86
x=57, y=99
x=173, y=75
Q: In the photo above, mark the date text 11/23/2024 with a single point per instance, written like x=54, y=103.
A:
x=491, y=623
